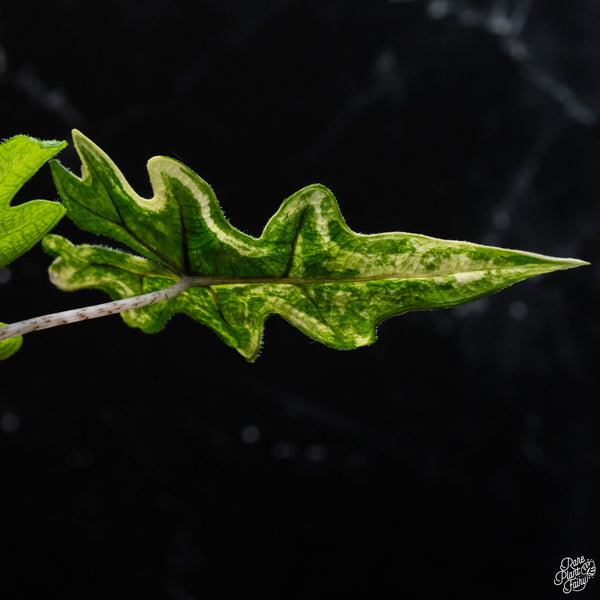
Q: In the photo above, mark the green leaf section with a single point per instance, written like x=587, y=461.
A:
x=333, y=284
x=22, y=226
x=10, y=346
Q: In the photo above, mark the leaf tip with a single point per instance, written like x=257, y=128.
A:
x=53, y=244
x=77, y=135
x=81, y=141
x=571, y=263
x=54, y=145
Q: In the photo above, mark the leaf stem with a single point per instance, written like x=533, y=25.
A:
x=95, y=311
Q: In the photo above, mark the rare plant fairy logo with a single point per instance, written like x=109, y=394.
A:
x=574, y=573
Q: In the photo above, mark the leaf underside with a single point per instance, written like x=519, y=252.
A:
x=23, y=226
x=333, y=284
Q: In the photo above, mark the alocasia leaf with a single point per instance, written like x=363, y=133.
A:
x=22, y=226
x=308, y=266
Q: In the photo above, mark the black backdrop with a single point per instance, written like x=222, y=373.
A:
x=460, y=453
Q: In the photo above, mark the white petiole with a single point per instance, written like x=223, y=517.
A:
x=93, y=312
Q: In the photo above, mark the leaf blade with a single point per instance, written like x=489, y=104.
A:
x=22, y=226
x=308, y=266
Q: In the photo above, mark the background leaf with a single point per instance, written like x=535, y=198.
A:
x=333, y=284
x=22, y=226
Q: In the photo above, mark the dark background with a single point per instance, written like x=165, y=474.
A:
x=457, y=455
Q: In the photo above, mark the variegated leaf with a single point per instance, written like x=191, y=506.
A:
x=308, y=266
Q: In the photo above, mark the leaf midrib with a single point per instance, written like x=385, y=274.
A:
x=204, y=280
